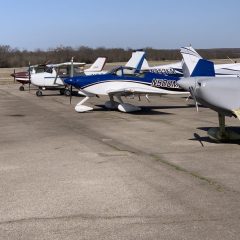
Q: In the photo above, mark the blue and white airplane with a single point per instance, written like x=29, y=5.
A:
x=124, y=81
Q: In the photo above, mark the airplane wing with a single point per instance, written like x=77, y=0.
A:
x=142, y=91
x=68, y=64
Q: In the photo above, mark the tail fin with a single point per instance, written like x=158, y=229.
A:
x=145, y=65
x=136, y=61
x=194, y=65
x=97, y=66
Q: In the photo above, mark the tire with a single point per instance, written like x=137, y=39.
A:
x=67, y=92
x=39, y=93
x=21, y=88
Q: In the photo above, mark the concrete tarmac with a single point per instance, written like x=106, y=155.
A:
x=108, y=175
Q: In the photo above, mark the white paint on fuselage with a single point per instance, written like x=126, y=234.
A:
x=105, y=88
x=46, y=80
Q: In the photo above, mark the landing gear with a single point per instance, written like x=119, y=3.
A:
x=111, y=105
x=67, y=92
x=121, y=106
x=223, y=134
x=81, y=108
x=39, y=93
x=21, y=88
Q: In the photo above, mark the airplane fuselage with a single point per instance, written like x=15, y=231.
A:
x=148, y=82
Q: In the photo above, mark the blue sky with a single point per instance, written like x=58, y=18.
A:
x=32, y=24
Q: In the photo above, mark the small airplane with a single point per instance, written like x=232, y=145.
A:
x=52, y=78
x=124, y=81
x=24, y=76
x=220, y=94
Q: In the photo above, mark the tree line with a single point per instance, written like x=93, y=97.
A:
x=13, y=57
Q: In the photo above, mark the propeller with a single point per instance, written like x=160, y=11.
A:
x=14, y=75
x=71, y=75
x=29, y=76
x=70, y=97
x=191, y=90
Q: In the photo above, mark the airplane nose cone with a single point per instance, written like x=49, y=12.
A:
x=186, y=83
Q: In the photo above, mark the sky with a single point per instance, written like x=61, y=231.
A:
x=169, y=24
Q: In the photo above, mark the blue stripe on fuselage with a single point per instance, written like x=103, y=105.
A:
x=146, y=79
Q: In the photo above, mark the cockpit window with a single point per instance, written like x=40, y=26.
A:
x=123, y=71
x=40, y=69
x=48, y=70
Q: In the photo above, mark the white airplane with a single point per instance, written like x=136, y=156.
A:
x=24, y=76
x=52, y=75
x=220, y=94
x=221, y=70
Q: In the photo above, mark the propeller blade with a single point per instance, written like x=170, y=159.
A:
x=71, y=94
x=191, y=90
x=29, y=76
x=14, y=75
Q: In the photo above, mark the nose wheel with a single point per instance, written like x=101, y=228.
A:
x=21, y=88
x=67, y=92
x=39, y=93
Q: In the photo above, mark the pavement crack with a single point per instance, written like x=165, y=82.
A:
x=133, y=219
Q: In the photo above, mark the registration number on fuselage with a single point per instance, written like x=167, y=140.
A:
x=161, y=83
x=169, y=71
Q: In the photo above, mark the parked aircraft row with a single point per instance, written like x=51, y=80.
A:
x=215, y=86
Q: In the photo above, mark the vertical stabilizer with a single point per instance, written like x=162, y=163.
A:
x=137, y=60
x=194, y=65
x=190, y=60
x=97, y=66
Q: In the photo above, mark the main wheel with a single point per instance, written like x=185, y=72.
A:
x=21, y=88
x=67, y=92
x=39, y=93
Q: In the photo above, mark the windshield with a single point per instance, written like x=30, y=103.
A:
x=120, y=71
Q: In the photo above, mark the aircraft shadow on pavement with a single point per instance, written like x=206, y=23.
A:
x=206, y=138
x=152, y=110
x=146, y=110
